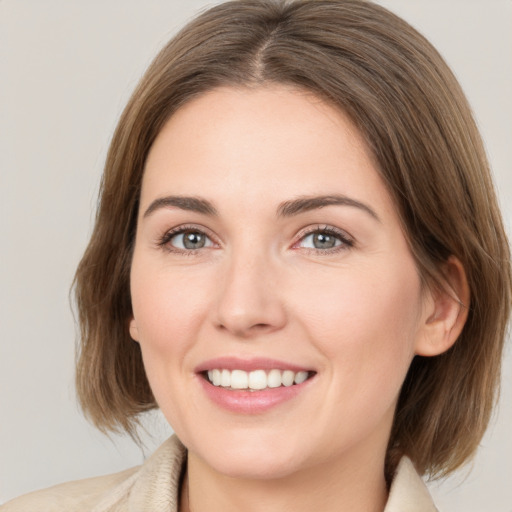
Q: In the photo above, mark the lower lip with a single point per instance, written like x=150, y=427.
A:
x=251, y=402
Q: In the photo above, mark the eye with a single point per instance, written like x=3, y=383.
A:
x=186, y=239
x=325, y=239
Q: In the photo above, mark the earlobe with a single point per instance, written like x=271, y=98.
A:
x=447, y=312
x=134, y=330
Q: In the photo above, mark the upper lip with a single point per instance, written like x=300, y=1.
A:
x=257, y=363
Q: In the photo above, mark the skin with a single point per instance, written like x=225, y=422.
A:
x=356, y=314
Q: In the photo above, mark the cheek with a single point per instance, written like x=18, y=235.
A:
x=365, y=327
x=168, y=309
x=365, y=320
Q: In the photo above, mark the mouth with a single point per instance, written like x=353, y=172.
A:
x=255, y=380
x=253, y=386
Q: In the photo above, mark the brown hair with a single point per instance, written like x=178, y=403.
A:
x=416, y=121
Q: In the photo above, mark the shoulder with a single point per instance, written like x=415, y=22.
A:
x=77, y=496
x=139, y=488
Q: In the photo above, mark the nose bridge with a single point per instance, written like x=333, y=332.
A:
x=249, y=299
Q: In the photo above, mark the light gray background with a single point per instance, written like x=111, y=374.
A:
x=67, y=69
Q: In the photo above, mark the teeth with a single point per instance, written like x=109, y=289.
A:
x=300, y=377
x=288, y=378
x=255, y=380
x=274, y=379
x=239, y=379
x=225, y=378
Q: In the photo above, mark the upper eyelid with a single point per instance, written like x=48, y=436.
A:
x=326, y=228
x=170, y=233
x=189, y=227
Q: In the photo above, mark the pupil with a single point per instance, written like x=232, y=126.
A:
x=193, y=240
x=323, y=241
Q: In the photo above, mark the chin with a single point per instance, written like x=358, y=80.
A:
x=253, y=457
x=261, y=466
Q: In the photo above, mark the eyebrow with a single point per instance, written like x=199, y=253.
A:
x=308, y=203
x=193, y=204
x=285, y=209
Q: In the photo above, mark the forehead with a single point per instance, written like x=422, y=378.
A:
x=254, y=143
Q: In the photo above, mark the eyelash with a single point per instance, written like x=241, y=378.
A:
x=164, y=241
x=346, y=241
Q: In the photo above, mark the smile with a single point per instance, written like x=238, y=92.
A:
x=255, y=385
x=255, y=380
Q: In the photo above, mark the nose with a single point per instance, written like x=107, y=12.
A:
x=250, y=298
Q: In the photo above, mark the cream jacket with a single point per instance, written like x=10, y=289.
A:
x=153, y=487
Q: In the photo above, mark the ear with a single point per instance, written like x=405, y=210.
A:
x=134, y=330
x=446, y=311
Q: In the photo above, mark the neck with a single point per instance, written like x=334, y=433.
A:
x=331, y=486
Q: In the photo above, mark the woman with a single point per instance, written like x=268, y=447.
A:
x=298, y=256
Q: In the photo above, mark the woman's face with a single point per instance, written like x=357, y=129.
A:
x=268, y=250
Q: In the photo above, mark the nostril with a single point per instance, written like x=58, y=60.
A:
x=244, y=330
